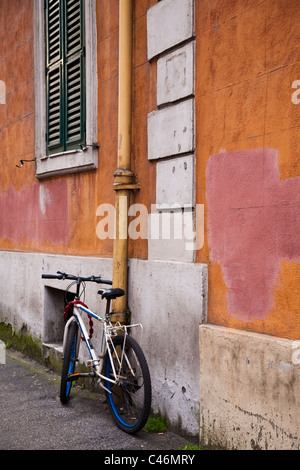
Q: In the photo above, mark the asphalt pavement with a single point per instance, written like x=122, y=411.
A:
x=32, y=417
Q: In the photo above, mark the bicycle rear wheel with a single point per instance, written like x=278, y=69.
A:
x=130, y=400
x=69, y=362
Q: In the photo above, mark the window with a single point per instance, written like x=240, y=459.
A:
x=66, y=94
x=65, y=75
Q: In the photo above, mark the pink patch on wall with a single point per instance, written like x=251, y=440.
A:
x=38, y=213
x=253, y=224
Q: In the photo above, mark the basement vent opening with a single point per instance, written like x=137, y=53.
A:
x=54, y=305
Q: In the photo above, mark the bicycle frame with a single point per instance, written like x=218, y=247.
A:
x=109, y=332
x=121, y=368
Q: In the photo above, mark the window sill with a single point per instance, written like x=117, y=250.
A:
x=67, y=162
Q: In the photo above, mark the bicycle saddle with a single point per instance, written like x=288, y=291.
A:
x=111, y=293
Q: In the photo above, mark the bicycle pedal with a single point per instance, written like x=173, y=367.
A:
x=73, y=377
x=76, y=376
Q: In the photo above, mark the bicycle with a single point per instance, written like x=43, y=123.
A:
x=121, y=369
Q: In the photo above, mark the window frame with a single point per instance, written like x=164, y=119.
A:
x=74, y=160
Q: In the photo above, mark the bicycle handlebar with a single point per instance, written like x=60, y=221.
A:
x=63, y=276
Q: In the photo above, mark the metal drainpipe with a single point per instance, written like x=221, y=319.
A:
x=124, y=178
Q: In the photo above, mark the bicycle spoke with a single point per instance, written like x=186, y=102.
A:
x=129, y=400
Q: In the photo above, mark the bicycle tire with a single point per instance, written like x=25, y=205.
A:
x=69, y=362
x=130, y=401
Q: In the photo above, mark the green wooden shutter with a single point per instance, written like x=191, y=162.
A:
x=54, y=76
x=75, y=73
x=65, y=70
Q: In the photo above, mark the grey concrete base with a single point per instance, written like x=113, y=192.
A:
x=249, y=390
x=168, y=298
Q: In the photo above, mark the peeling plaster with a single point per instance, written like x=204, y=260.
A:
x=38, y=213
x=253, y=224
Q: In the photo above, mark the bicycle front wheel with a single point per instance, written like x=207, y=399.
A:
x=129, y=400
x=69, y=362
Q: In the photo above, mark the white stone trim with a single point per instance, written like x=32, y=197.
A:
x=171, y=130
x=175, y=75
x=169, y=23
x=175, y=181
x=171, y=127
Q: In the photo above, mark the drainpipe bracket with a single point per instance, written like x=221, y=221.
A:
x=124, y=172
x=125, y=180
x=131, y=187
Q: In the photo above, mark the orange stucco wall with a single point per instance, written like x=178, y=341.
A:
x=58, y=215
x=247, y=58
